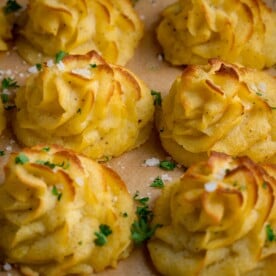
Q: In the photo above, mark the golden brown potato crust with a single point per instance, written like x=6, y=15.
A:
x=219, y=107
x=52, y=203
x=110, y=27
x=85, y=104
x=217, y=219
x=191, y=32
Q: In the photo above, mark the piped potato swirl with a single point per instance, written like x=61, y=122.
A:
x=55, y=209
x=86, y=104
x=109, y=27
x=219, y=218
x=219, y=107
x=191, y=32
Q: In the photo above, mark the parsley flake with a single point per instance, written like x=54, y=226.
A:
x=59, y=56
x=142, y=200
x=93, y=65
x=38, y=66
x=264, y=185
x=167, y=165
x=21, y=159
x=9, y=83
x=56, y=193
x=124, y=214
x=11, y=6
x=157, y=97
x=157, y=183
x=46, y=149
x=2, y=153
x=141, y=229
x=53, y=165
x=101, y=236
x=270, y=235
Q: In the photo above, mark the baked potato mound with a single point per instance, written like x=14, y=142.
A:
x=110, y=27
x=62, y=213
x=85, y=104
x=191, y=32
x=219, y=107
x=217, y=219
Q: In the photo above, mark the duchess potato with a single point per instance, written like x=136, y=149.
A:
x=109, y=27
x=217, y=219
x=62, y=213
x=191, y=32
x=86, y=104
x=219, y=107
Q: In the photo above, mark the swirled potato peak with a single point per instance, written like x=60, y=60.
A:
x=217, y=219
x=110, y=27
x=85, y=104
x=62, y=213
x=219, y=107
x=191, y=32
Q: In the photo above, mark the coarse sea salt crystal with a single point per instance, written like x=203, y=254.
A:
x=160, y=57
x=79, y=181
x=83, y=72
x=33, y=70
x=61, y=66
x=50, y=63
x=166, y=177
x=262, y=86
x=8, y=148
x=7, y=267
x=219, y=175
x=210, y=186
x=152, y=162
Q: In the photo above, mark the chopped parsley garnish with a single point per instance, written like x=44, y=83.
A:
x=53, y=165
x=9, y=83
x=259, y=94
x=56, y=193
x=11, y=6
x=21, y=159
x=273, y=107
x=142, y=200
x=59, y=56
x=264, y=185
x=46, y=163
x=167, y=165
x=157, y=97
x=157, y=183
x=4, y=97
x=46, y=149
x=93, y=65
x=125, y=214
x=101, y=236
x=2, y=153
x=38, y=66
x=79, y=111
x=141, y=229
x=270, y=235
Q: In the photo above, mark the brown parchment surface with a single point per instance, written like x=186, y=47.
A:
x=158, y=75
